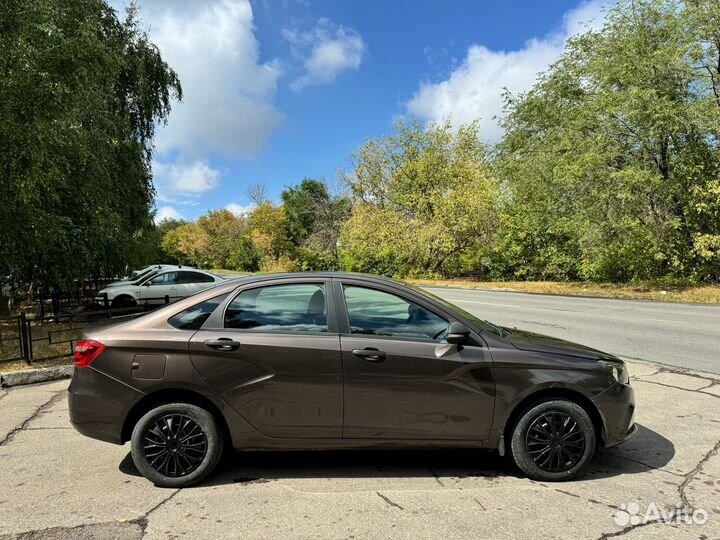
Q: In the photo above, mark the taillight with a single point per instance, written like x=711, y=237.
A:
x=87, y=350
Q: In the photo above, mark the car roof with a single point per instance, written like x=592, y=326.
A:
x=315, y=274
x=181, y=269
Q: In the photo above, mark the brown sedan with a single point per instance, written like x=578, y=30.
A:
x=334, y=360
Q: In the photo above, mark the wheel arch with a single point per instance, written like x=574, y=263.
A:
x=161, y=397
x=124, y=296
x=547, y=394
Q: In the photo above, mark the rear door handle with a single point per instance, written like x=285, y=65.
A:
x=371, y=355
x=222, y=344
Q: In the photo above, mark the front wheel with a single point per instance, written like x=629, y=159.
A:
x=123, y=302
x=176, y=445
x=553, y=440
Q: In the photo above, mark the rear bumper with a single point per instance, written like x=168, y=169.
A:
x=617, y=408
x=98, y=404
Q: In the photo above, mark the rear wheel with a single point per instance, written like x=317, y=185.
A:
x=176, y=445
x=553, y=440
x=123, y=302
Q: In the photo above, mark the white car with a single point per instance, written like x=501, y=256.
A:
x=145, y=272
x=158, y=287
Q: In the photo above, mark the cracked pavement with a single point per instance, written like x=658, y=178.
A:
x=55, y=483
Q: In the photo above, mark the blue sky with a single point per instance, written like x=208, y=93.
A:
x=278, y=90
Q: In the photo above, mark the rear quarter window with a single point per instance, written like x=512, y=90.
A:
x=195, y=316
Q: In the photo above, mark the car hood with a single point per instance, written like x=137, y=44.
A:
x=530, y=341
x=116, y=283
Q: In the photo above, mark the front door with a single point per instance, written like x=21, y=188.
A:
x=402, y=380
x=276, y=360
x=157, y=288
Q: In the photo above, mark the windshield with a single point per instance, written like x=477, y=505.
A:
x=485, y=325
x=144, y=276
x=137, y=274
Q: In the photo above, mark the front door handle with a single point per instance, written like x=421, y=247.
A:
x=370, y=354
x=222, y=344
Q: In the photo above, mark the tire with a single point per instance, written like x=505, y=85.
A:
x=123, y=302
x=553, y=441
x=176, y=445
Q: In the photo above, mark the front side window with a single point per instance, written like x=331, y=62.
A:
x=168, y=278
x=195, y=316
x=279, y=308
x=378, y=313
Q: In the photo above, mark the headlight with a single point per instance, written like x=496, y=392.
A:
x=617, y=370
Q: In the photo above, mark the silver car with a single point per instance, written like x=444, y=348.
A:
x=157, y=287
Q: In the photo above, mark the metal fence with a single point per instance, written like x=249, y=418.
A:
x=51, y=332
x=33, y=339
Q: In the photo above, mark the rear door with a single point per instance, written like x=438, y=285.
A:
x=402, y=380
x=273, y=353
x=190, y=282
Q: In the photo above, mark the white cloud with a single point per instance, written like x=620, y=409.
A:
x=227, y=92
x=328, y=50
x=474, y=90
x=184, y=180
x=166, y=212
x=238, y=209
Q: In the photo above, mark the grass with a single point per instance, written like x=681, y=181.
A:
x=226, y=271
x=696, y=294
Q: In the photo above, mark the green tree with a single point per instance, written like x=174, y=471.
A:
x=301, y=203
x=219, y=239
x=188, y=244
x=314, y=221
x=610, y=162
x=230, y=245
x=425, y=202
x=269, y=233
x=81, y=93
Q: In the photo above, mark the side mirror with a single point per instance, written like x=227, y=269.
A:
x=457, y=333
x=147, y=284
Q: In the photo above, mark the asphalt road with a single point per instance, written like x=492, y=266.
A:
x=56, y=484
x=679, y=335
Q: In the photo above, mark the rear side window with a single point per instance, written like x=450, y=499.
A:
x=378, y=313
x=279, y=308
x=195, y=277
x=194, y=317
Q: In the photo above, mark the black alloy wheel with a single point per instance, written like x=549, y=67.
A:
x=555, y=441
x=175, y=445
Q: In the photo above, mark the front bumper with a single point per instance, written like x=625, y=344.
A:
x=99, y=404
x=617, y=409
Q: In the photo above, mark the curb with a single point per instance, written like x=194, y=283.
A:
x=32, y=376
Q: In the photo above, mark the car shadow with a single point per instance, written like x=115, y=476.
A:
x=646, y=451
